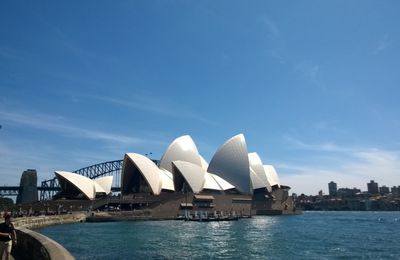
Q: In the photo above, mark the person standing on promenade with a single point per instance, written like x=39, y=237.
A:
x=8, y=237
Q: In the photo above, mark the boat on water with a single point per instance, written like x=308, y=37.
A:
x=204, y=216
x=210, y=219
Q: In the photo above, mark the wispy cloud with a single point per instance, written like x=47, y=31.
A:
x=154, y=105
x=311, y=72
x=19, y=154
x=353, y=167
x=62, y=38
x=382, y=45
x=275, y=40
x=9, y=53
x=327, y=146
x=62, y=126
x=278, y=50
x=272, y=28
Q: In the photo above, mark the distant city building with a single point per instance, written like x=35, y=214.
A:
x=332, y=189
x=347, y=192
x=384, y=190
x=395, y=190
x=373, y=187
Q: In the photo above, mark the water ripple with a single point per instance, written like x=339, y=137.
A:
x=316, y=235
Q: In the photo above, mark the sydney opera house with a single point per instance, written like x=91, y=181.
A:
x=234, y=179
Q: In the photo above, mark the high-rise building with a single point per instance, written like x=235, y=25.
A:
x=373, y=187
x=347, y=192
x=384, y=190
x=332, y=189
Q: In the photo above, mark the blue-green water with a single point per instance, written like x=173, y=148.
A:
x=313, y=235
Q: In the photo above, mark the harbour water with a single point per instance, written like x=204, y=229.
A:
x=312, y=235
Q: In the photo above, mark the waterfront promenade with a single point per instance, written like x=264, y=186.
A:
x=33, y=245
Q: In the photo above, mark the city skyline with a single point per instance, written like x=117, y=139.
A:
x=334, y=188
x=312, y=86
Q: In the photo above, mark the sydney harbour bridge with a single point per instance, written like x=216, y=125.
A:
x=50, y=187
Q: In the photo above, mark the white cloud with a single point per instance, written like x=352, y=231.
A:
x=272, y=28
x=382, y=45
x=327, y=146
x=354, y=167
x=17, y=155
x=154, y=105
x=311, y=72
x=60, y=125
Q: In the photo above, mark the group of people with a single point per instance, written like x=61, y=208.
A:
x=8, y=238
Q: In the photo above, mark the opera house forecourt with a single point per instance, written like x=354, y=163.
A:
x=233, y=182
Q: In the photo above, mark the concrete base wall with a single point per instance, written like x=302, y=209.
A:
x=32, y=245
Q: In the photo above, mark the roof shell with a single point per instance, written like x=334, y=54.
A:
x=82, y=183
x=181, y=149
x=194, y=175
x=105, y=183
x=222, y=183
x=210, y=183
x=167, y=181
x=232, y=162
x=257, y=166
x=147, y=168
x=272, y=175
x=255, y=181
x=204, y=163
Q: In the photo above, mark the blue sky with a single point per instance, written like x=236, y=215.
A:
x=313, y=85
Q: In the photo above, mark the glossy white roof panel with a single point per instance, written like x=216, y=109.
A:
x=257, y=166
x=232, y=162
x=222, y=183
x=147, y=168
x=256, y=182
x=181, y=149
x=82, y=183
x=193, y=174
x=272, y=175
x=105, y=183
x=210, y=183
x=204, y=163
x=98, y=188
x=167, y=182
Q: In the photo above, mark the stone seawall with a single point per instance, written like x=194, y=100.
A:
x=33, y=245
x=44, y=221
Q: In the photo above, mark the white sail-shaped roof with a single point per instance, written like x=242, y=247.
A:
x=181, y=149
x=105, y=183
x=257, y=166
x=272, y=175
x=210, y=183
x=255, y=181
x=147, y=168
x=204, y=163
x=167, y=181
x=82, y=183
x=222, y=183
x=231, y=161
x=194, y=175
x=98, y=188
